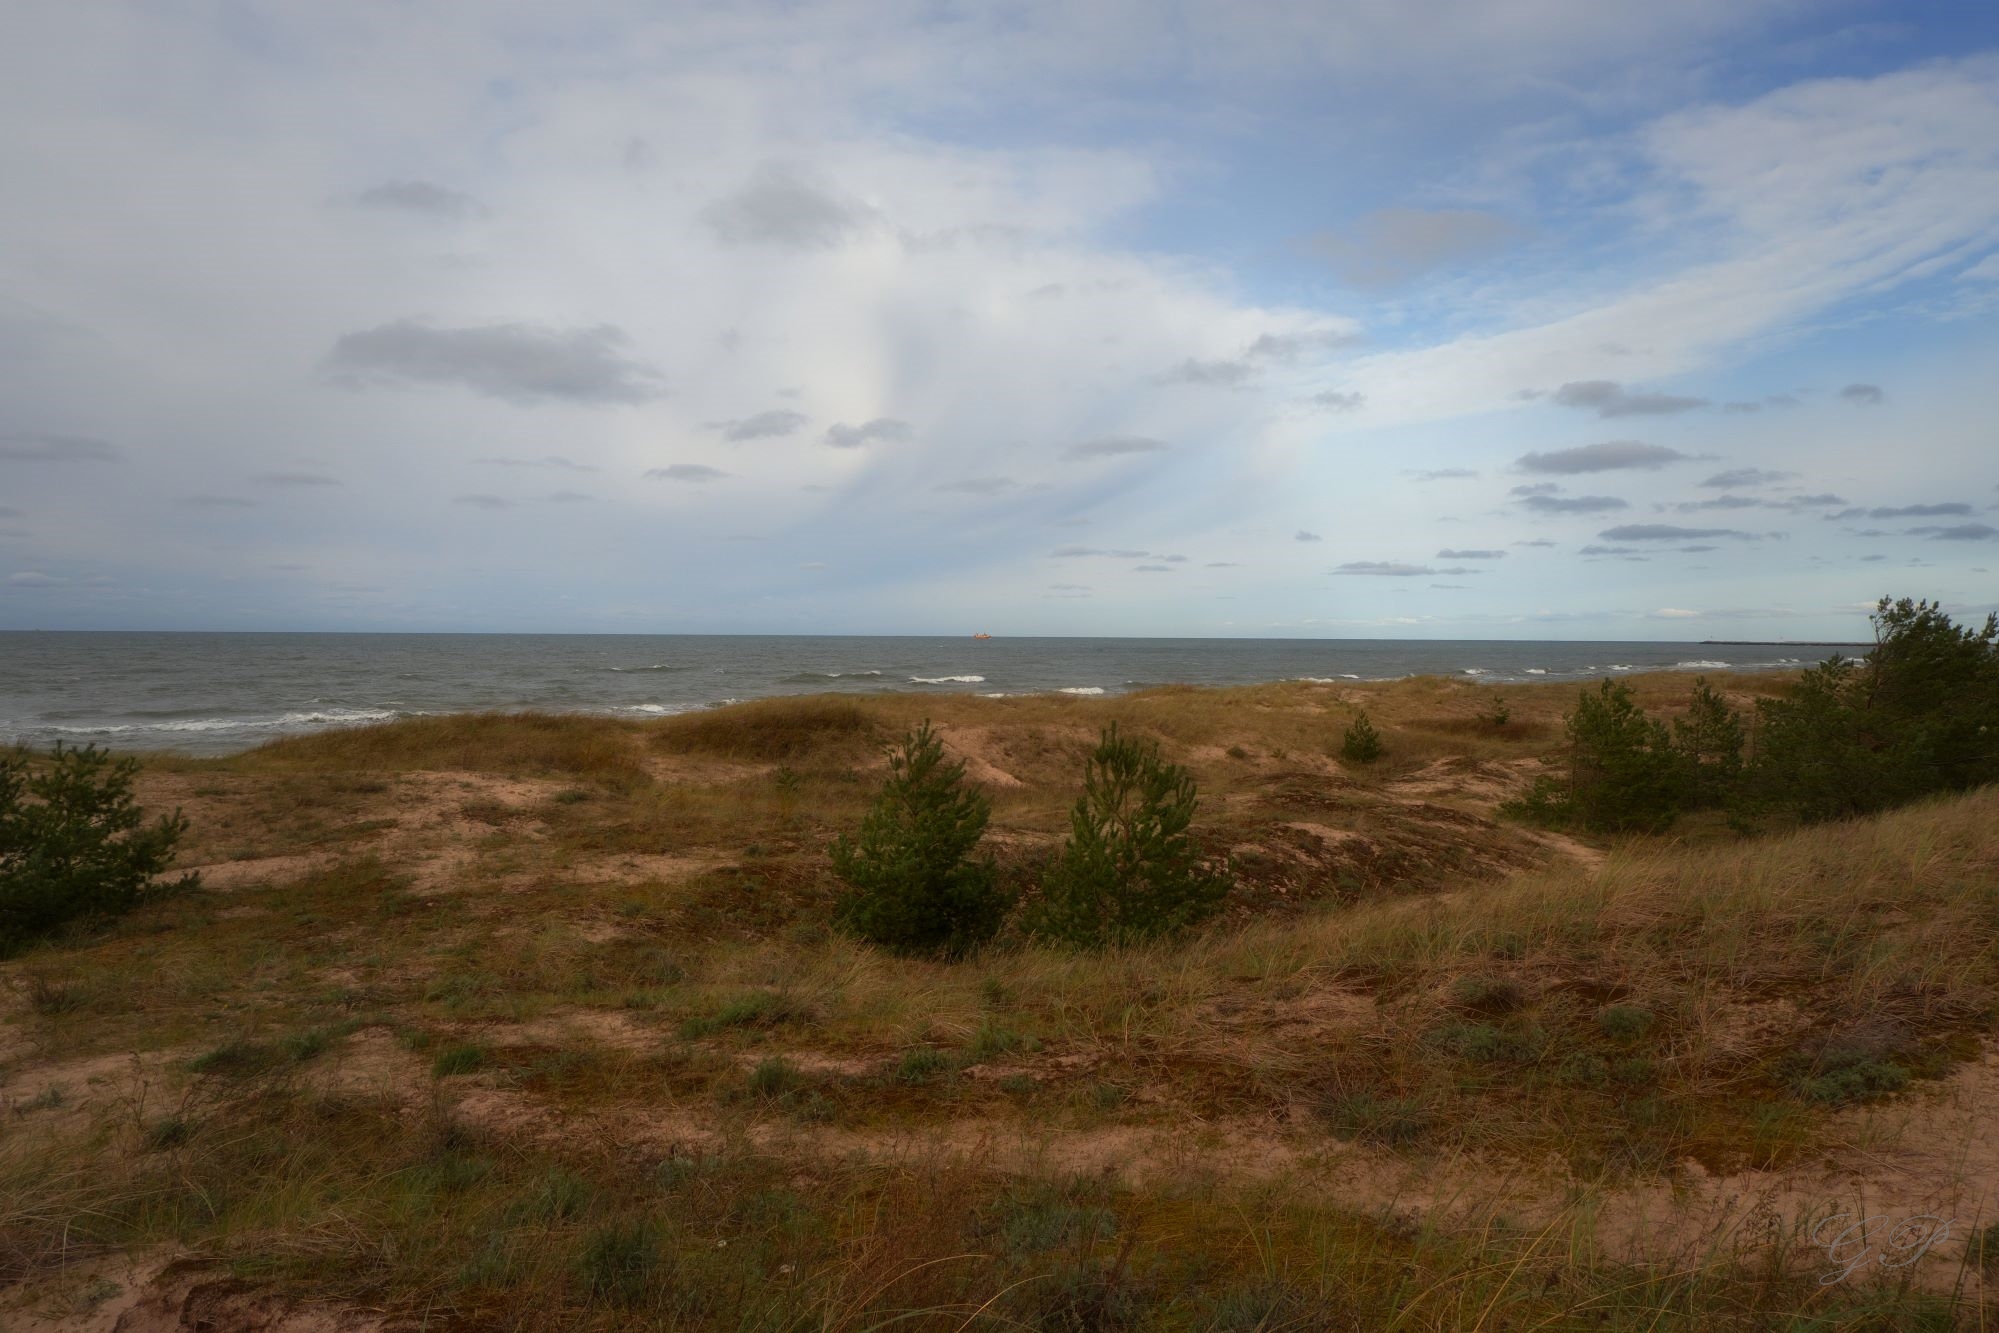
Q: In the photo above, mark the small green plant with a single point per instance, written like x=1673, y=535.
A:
x=74, y=844
x=921, y=1064
x=1496, y=714
x=622, y=1264
x=1624, y=1022
x=1389, y=1121
x=1130, y=870
x=1362, y=743
x=774, y=1079
x=915, y=886
x=456, y=1060
x=754, y=1009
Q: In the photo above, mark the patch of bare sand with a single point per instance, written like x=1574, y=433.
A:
x=158, y=1293
x=635, y=868
x=976, y=747
x=1929, y=1153
x=615, y=1029
x=1460, y=777
x=260, y=870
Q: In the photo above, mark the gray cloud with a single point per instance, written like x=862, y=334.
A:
x=763, y=426
x=483, y=502
x=1610, y=456
x=1537, y=541
x=1395, y=245
x=1865, y=395
x=1667, y=532
x=569, y=498
x=1572, y=504
x=549, y=461
x=843, y=436
x=1078, y=552
x=1214, y=374
x=1152, y=569
x=294, y=479
x=56, y=449
x=980, y=485
x=1441, y=474
x=519, y=363
x=686, y=472
x=1335, y=401
x=1288, y=347
x=1741, y=407
x=1607, y=550
x=1723, y=502
x=779, y=207
x=1610, y=399
x=1952, y=510
x=1303, y=536
x=1962, y=532
x=423, y=197
x=1388, y=569
x=1116, y=446
x=1448, y=554
x=34, y=578
x=1737, y=478
x=1536, y=488
x=213, y=502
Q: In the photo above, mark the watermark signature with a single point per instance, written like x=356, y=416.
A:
x=1852, y=1241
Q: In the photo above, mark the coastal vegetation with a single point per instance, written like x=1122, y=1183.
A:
x=503, y=1021
x=1918, y=715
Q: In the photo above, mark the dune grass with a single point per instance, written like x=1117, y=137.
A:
x=546, y=1026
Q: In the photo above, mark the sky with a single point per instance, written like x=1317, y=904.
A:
x=1243, y=318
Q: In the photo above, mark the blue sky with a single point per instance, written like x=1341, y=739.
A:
x=1452, y=319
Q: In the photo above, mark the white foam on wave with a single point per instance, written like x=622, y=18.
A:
x=1476, y=671
x=1700, y=664
x=1080, y=689
x=1316, y=680
x=1537, y=671
x=332, y=718
x=1615, y=667
x=947, y=680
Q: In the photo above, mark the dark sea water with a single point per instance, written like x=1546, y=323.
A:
x=214, y=693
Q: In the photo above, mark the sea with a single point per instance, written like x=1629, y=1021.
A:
x=219, y=693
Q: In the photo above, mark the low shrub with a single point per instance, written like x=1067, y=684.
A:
x=74, y=844
x=915, y=885
x=1130, y=870
x=1362, y=743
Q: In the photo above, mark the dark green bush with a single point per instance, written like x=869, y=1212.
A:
x=1919, y=715
x=1362, y=743
x=915, y=886
x=1624, y=775
x=73, y=844
x=1708, y=741
x=1130, y=870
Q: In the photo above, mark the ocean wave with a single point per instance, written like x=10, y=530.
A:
x=1475, y=671
x=1079, y=689
x=810, y=677
x=333, y=718
x=947, y=680
x=1317, y=680
x=1614, y=667
x=662, y=710
x=1537, y=671
x=656, y=666
x=1700, y=664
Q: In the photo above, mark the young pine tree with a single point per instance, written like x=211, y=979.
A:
x=80, y=847
x=1362, y=743
x=1708, y=741
x=915, y=887
x=1623, y=773
x=1130, y=870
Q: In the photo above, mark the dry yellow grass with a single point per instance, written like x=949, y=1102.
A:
x=539, y=1022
